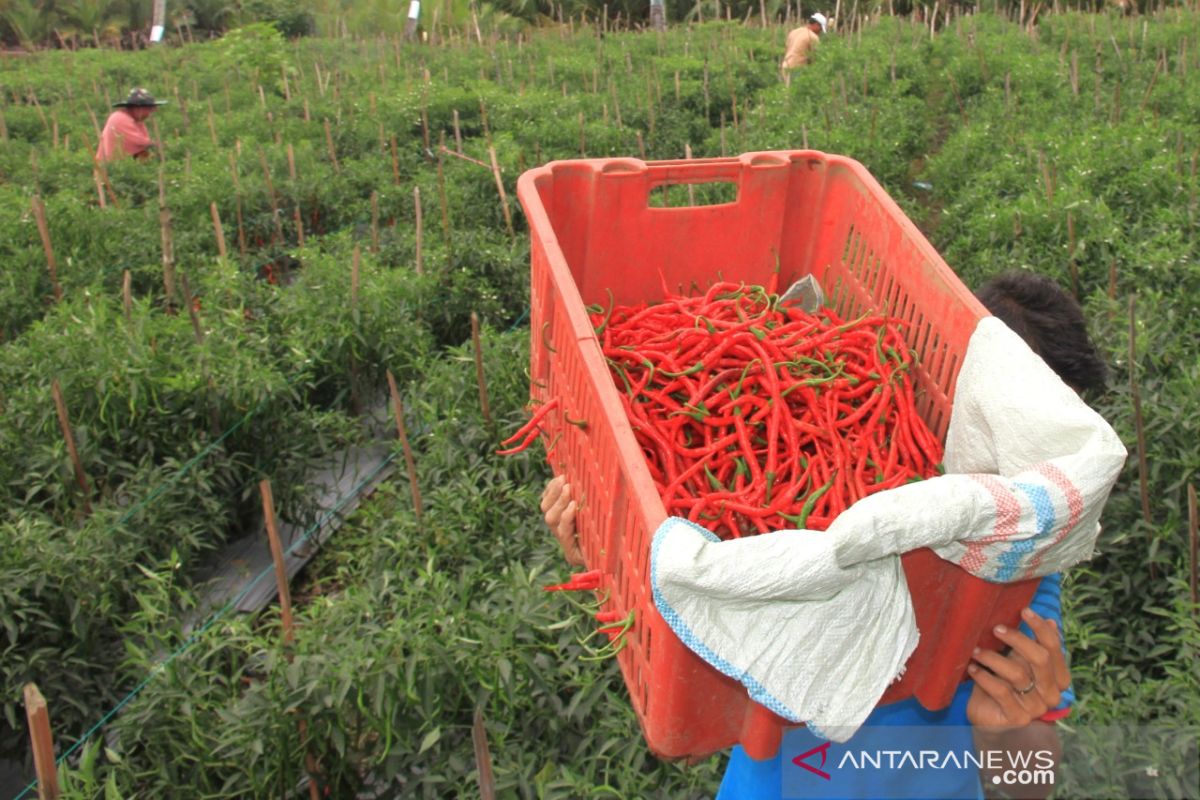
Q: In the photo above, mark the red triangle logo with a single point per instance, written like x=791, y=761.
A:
x=823, y=749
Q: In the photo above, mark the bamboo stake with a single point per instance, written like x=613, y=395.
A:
x=1071, y=255
x=127, y=296
x=443, y=200
x=420, y=265
x=1135, y=394
x=64, y=424
x=218, y=231
x=329, y=144
x=374, y=221
x=354, y=268
x=212, y=126
x=1194, y=538
x=281, y=579
x=285, y=614
x=402, y=433
x=166, y=239
x=457, y=133
x=99, y=187
x=38, y=716
x=1047, y=178
x=483, y=755
x=479, y=376
x=1158, y=65
x=503, y=196
x=275, y=216
x=395, y=163
x=691, y=188
x=39, y=214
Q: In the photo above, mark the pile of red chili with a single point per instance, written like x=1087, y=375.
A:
x=755, y=417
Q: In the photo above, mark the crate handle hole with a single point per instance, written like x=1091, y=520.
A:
x=708, y=193
x=622, y=166
x=768, y=160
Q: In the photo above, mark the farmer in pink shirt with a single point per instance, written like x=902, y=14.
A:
x=125, y=131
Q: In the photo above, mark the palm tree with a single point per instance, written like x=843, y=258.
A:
x=100, y=19
x=27, y=22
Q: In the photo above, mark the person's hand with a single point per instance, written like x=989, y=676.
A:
x=559, y=511
x=1013, y=690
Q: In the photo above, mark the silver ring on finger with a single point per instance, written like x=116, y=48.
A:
x=1032, y=685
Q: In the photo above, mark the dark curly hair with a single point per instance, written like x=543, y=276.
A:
x=1050, y=322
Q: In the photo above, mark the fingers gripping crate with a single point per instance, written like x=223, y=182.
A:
x=597, y=238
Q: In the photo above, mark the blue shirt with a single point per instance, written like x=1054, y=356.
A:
x=842, y=771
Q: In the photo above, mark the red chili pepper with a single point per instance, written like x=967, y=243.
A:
x=748, y=413
x=580, y=581
x=529, y=430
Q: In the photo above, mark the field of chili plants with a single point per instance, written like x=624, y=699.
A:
x=326, y=210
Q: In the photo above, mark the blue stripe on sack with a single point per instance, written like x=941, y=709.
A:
x=1011, y=560
x=757, y=691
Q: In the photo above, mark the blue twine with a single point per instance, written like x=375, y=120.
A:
x=213, y=620
x=520, y=319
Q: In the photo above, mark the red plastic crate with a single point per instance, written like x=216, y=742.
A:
x=594, y=230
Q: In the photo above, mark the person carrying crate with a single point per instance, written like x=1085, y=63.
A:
x=1012, y=694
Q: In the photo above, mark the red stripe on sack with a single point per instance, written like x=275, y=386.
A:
x=1008, y=514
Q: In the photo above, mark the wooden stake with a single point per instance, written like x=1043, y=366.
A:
x=127, y=296
x=99, y=187
x=395, y=163
x=281, y=579
x=374, y=221
x=479, y=377
x=1047, y=178
x=42, y=742
x=483, y=754
x=299, y=220
x=218, y=230
x=1194, y=541
x=64, y=424
x=212, y=126
x=289, y=628
x=329, y=144
x=457, y=133
x=275, y=216
x=166, y=239
x=402, y=433
x=420, y=265
x=691, y=188
x=500, y=188
x=39, y=214
x=443, y=200
x=354, y=267
x=1135, y=394
x=1071, y=255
